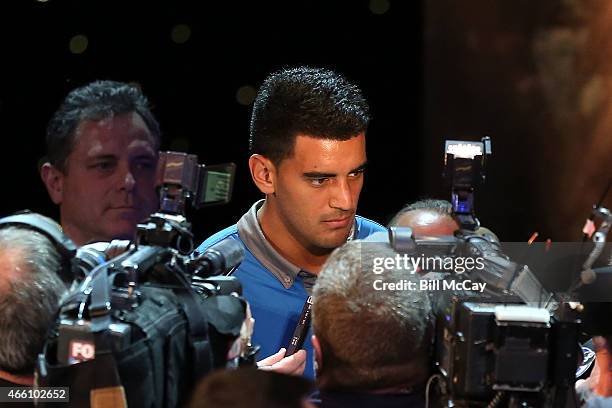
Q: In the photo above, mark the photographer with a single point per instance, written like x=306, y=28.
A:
x=371, y=347
x=30, y=290
x=432, y=217
x=428, y=217
x=101, y=161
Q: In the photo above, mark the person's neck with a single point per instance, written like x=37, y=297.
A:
x=17, y=379
x=74, y=234
x=277, y=234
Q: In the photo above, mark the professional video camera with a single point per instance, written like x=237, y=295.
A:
x=502, y=339
x=497, y=341
x=145, y=325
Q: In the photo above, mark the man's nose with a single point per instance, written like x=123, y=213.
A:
x=128, y=181
x=342, y=197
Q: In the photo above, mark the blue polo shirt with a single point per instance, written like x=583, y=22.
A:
x=275, y=288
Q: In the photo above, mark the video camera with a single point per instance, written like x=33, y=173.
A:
x=142, y=327
x=515, y=344
x=495, y=343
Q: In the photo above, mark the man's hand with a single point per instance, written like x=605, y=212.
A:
x=601, y=372
x=600, y=381
x=292, y=365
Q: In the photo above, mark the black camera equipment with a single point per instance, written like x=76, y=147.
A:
x=464, y=170
x=500, y=346
x=144, y=326
x=514, y=343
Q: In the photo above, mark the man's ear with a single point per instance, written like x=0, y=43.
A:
x=318, y=355
x=263, y=173
x=54, y=181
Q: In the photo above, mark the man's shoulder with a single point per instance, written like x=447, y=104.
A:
x=230, y=232
x=250, y=265
x=367, y=227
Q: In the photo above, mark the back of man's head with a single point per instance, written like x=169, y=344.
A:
x=313, y=102
x=93, y=102
x=30, y=290
x=369, y=339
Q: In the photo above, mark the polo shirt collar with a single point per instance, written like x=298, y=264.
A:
x=253, y=237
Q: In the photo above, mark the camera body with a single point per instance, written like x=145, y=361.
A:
x=505, y=344
x=487, y=350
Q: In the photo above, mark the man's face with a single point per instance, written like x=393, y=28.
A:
x=109, y=182
x=317, y=190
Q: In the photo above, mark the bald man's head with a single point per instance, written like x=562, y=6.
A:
x=426, y=222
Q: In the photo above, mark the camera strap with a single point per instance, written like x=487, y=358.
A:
x=198, y=326
x=100, y=306
x=107, y=390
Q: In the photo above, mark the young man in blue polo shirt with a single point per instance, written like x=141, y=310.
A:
x=308, y=158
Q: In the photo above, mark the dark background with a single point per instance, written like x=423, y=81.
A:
x=408, y=57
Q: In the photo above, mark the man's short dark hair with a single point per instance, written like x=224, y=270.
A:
x=95, y=101
x=370, y=339
x=29, y=304
x=311, y=101
x=441, y=207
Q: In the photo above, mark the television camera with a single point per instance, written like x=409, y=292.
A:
x=143, y=325
x=515, y=344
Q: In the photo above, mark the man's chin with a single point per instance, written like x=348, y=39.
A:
x=122, y=229
x=333, y=240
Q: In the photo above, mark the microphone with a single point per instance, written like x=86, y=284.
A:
x=299, y=334
x=219, y=258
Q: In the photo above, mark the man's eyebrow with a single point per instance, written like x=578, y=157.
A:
x=144, y=155
x=102, y=157
x=317, y=174
x=361, y=167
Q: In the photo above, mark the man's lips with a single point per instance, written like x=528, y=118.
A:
x=125, y=210
x=339, y=222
